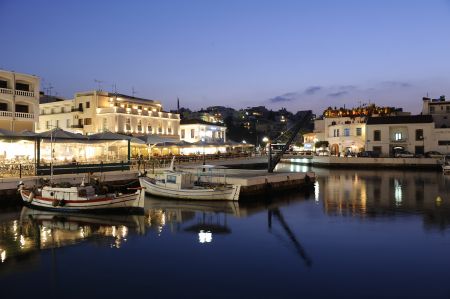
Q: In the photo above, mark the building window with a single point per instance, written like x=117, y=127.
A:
x=447, y=108
x=431, y=109
x=3, y=107
x=419, y=134
x=57, y=123
x=346, y=132
x=443, y=142
x=67, y=123
x=139, y=126
x=128, y=124
x=22, y=108
x=3, y=84
x=22, y=86
x=182, y=134
x=149, y=129
x=88, y=105
x=358, y=131
x=159, y=130
x=105, y=124
x=376, y=135
x=192, y=133
x=47, y=124
x=398, y=136
x=88, y=121
x=337, y=133
x=169, y=130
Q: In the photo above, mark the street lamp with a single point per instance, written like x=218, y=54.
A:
x=204, y=158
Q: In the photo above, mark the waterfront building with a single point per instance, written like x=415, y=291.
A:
x=19, y=101
x=413, y=133
x=439, y=109
x=196, y=130
x=98, y=111
x=345, y=129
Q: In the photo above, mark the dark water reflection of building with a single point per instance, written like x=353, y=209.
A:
x=25, y=232
x=375, y=193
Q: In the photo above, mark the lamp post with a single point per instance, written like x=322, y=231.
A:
x=204, y=158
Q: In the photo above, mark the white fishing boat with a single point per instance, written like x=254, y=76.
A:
x=446, y=165
x=187, y=185
x=80, y=198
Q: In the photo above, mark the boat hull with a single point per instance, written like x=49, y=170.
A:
x=229, y=192
x=127, y=202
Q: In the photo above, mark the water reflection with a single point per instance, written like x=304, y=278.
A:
x=338, y=193
x=35, y=230
x=365, y=193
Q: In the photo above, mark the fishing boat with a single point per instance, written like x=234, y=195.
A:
x=446, y=165
x=80, y=198
x=178, y=184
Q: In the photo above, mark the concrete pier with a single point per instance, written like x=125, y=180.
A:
x=369, y=163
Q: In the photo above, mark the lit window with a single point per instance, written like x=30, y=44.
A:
x=398, y=136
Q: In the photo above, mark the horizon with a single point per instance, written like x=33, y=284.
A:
x=293, y=54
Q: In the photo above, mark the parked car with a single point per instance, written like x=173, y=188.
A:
x=323, y=153
x=433, y=154
x=403, y=154
x=369, y=154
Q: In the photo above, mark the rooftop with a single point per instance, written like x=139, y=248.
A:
x=199, y=121
x=403, y=119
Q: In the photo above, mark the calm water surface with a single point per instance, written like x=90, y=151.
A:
x=358, y=234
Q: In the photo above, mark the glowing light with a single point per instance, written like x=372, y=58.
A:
x=124, y=231
x=22, y=241
x=3, y=255
x=316, y=191
x=265, y=139
x=204, y=236
x=398, y=193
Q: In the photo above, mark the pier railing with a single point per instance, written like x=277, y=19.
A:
x=25, y=169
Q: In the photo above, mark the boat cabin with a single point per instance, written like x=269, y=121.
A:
x=177, y=180
x=72, y=193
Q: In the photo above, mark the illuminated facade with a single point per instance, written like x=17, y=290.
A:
x=414, y=133
x=19, y=101
x=99, y=111
x=194, y=130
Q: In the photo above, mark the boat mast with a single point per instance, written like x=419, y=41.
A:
x=51, y=156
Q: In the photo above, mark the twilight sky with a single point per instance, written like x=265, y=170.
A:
x=294, y=54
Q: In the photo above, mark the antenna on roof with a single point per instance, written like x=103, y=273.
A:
x=133, y=91
x=99, y=84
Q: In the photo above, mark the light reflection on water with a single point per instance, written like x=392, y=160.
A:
x=342, y=219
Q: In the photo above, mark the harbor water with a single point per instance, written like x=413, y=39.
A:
x=357, y=234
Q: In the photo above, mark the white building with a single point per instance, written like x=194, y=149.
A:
x=98, y=111
x=195, y=130
x=19, y=101
x=345, y=134
x=414, y=133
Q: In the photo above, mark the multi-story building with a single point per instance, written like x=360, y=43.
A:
x=196, y=130
x=414, y=133
x=98, y=111
x=19, y=101
x=439, y=109
x=345, y=129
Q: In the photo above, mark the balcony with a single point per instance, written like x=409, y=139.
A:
x=24, y=115
x=6, y=91
x=25, y=93
x=77, y=126
x=6, y=114
x=136, y=112
x=76, y=109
